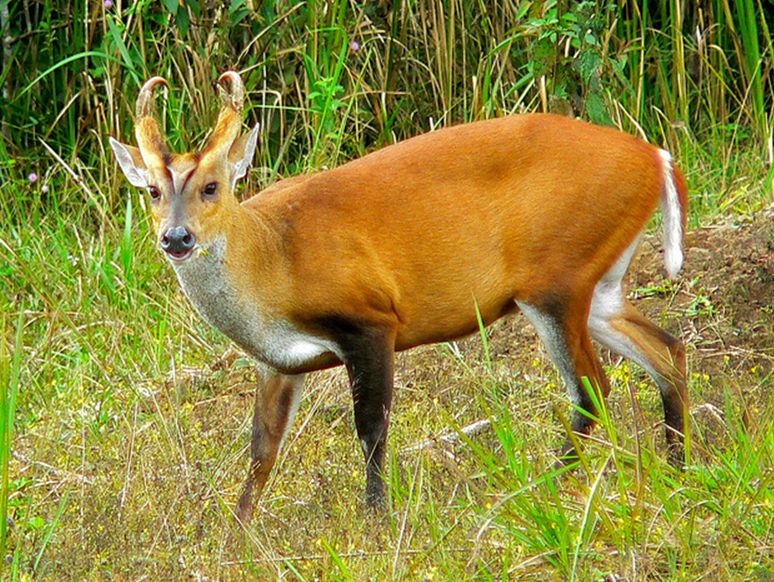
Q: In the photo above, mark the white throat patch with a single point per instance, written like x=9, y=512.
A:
x=274, y=342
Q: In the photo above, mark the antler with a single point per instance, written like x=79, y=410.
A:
x=235, y=99
x=149, y=138
x=145, y=98
x=232, y=95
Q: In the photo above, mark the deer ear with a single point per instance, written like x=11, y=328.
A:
x=240, y=156
x=130, y=160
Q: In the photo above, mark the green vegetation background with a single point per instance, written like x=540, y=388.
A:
x=109, y=465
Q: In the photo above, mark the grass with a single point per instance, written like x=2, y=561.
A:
x=131, y=444
x=125, y=418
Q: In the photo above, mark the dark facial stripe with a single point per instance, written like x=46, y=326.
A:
x=178, y=214
x=188, y=178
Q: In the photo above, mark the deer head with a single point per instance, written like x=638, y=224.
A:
x=191, y=194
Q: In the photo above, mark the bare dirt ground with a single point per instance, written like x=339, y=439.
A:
x=726, y=294
x=724, y=302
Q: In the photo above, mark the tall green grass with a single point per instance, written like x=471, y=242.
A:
x=130, y=441
x=627, y=503
x=335, y=76
x=10, y=369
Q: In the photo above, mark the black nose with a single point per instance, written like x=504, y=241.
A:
x=178, y=241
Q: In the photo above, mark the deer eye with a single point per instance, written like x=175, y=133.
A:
x=154, y=192
x=210, y=190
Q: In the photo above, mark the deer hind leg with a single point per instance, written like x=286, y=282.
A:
x=562, y=327
x=616, y=324
x=276, y=402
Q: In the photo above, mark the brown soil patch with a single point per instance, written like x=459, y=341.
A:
x=724, y=296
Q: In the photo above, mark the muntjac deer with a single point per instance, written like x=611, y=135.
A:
x=405, y=246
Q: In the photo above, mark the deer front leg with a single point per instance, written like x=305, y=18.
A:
x=368, y=357
x=276, y=403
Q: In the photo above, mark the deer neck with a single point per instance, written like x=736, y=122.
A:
x=224, y=283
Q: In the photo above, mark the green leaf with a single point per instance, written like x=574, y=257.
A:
x=236, y=5
x=596, y=110
x=183, y=21
x=239, y=16
x=195, y=7
x=171, y=6
x=588, y=64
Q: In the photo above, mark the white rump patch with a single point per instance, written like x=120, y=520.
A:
x=608, y=299
x=673, y=222
x=607, y=303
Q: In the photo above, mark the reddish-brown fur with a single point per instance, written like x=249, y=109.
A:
x=414, y=251
x=403, y=246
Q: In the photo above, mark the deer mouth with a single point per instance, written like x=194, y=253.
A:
x=180, y=256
